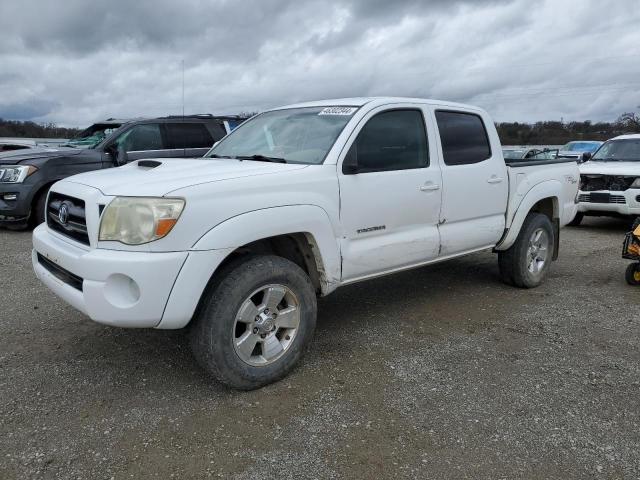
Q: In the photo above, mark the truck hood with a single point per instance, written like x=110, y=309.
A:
x=610, y=168
x=172, y=174
x=20, y=156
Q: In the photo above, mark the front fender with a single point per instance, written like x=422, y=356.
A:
x=270, y=222
x=548, y=189
x=206, y=255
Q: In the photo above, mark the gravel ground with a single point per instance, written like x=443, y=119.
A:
x=441, y=372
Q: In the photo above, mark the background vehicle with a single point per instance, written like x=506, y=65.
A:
x=610, y=180
x=295, y=203
x=579, y=150
x=631, y=251
x=528, y=153
x=27, y=175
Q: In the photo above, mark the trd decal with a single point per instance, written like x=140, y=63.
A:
x=371, y=229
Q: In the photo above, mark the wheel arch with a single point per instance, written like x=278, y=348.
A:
x=299, y=247
x=40, y=189
x=543, y=198
x=37, y=192
x=281, y=230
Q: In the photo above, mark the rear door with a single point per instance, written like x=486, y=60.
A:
x=389, y=206
x=475, y=183
x=190, y=139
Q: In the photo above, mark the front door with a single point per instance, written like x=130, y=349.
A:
x=390, y=194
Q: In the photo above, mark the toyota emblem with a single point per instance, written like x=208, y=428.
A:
x=63, y=214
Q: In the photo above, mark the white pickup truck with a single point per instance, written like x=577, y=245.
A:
x=296, y=202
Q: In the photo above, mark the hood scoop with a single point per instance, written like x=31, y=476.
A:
x=149, y=163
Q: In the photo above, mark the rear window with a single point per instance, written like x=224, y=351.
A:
x=188, y=135
x=464, y=138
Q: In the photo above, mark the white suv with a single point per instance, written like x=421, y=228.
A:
x=610, y=180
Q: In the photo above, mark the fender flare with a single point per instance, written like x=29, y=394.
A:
x=311, y=220
x=547, y=189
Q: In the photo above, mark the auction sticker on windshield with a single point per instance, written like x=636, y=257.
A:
x=338, y=111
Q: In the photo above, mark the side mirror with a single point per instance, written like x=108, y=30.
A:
x=111, y=153
x=586, y=156
x=350, y=162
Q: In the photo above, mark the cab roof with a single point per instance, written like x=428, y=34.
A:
x=374, y=102
x=630, y=136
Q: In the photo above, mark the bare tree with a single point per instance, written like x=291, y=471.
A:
x=629, y=121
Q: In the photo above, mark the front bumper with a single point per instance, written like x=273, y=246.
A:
x=15, y=203
x=124, y=289
x=619, y=202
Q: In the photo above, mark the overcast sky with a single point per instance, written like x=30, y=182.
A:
x=76, y=61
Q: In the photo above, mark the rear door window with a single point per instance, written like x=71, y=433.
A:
x=188, y=135
x=464, y=138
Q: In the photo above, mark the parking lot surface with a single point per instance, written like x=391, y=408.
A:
x=440, y=372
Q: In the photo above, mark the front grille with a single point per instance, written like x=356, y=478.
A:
x=613, y=183
x=74, y=223
x=601, y=198
x=57, y=271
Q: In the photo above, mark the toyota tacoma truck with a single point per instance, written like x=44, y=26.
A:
x=610, y=180
x=294, y=203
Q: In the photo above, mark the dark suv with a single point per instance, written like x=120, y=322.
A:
x=26, y=175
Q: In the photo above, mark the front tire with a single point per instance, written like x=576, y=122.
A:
x=254, y=321
x=632, y=274
x=527, y=261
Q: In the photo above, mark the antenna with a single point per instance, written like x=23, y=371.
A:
x=183, y=88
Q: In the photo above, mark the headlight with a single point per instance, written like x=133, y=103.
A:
x=137, y=220
x=15, y=173
x=636, y=183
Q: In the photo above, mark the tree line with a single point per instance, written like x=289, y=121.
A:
x=559, y=133
x=511, y=133
x=16, y=128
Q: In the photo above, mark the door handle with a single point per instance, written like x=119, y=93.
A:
x=429, y=187
x=494, y=179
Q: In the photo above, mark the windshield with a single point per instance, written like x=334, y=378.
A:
x=619, y=150
x=580, y=147
x=296, y=135
x=92, y=136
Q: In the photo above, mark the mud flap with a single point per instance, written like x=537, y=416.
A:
x=556, y=238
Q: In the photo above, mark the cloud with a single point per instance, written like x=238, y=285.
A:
x=27, y=110
x=522, y=60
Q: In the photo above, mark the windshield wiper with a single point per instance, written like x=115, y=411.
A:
x=261, y=158
x=215, y=155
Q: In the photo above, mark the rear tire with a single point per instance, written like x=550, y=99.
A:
x=527, y=261
x=632, y=274
x=577, y=220
x=254, y=322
